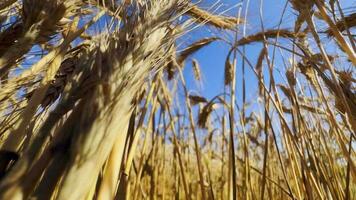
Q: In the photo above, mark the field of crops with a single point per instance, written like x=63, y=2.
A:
x=121, y=99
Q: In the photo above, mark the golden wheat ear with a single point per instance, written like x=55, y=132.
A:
x=222, y=22
x=346, y=23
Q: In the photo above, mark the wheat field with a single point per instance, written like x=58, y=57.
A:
x=97, y=100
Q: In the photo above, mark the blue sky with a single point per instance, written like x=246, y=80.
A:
x=212, y=57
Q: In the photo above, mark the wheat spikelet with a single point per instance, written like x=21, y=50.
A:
x=218, y=21
x=41, y=20
x=194, y=99
x=346, y=81
x=196, y=46
x=228, y=75
x=291, y=77
x=305, y=107
x=205, y=113
x=174, y=62
x=258, y=37
x=259, y=69
x=60, y=80
x=196, y=70
x=347, y=22
x=346, y=78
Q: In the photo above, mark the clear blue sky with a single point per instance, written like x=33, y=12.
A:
x=212, y=57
